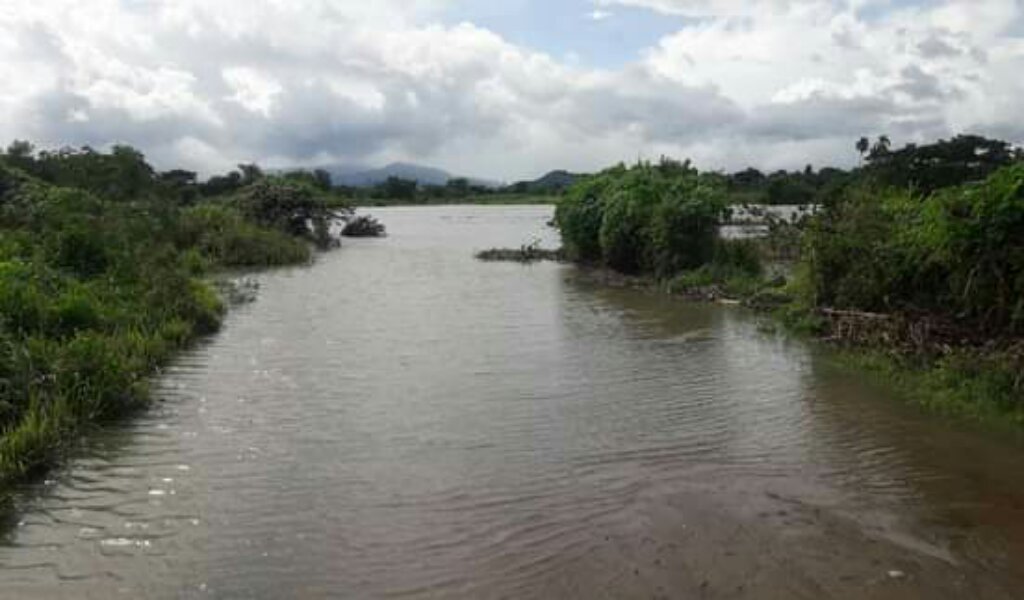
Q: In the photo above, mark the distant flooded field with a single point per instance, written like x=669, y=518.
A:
x=750, y=220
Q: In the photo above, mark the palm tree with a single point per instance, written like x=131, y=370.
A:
x=882, y=146
x=862, y=146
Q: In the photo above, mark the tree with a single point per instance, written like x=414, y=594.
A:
x=132, y=176
x=457, y=187
x=221, y=184
x=749, y=178
x=292, y=207
x=323, y=179
x=20, y=154
x=182, y=184
x=881, y=147
x=962, y=159
x=863, y=144
x=398, y=189
x=251, y=173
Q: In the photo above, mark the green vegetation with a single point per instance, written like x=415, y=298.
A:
x=363, y=226
x=956, y=254
x=527, y=253
x=398, y=191
x=646, y=219
x=751, y=186
x=914, y=262
x=102, y=278
x=947, y=269
x=968, y=384
x=946, y=163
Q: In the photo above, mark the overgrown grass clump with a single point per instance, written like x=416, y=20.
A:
x=222, y=236
x=102, y=280
x=965, y=384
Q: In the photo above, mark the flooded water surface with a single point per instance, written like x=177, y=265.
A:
x=400, y=420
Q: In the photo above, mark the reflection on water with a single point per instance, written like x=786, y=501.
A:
x=400, y=419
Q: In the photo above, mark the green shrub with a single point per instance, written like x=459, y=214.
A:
x=579, y=215
x=958, y=253
x=223, y=236
x=656, y=219
x=75, y=310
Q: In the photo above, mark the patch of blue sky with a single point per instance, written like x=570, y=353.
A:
x=879, y=9
x=571, y=30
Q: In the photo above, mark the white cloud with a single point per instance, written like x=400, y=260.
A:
x=599, y=15
x=710, y=8
x=768, y=82
x=252, y=90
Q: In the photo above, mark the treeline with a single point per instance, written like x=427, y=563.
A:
x=931, y=236
x=751, y=186
x=459, y=190
x=934, y=230
x=409, y=191
x=124, y=174
x=102, y=277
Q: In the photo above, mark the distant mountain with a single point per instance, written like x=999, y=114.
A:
x=360, y=176
x=556, y=180
x=551, y=182
x=368, y=177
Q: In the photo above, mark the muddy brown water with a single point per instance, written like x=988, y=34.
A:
x=399, y=420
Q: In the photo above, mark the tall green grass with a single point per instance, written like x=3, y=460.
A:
x=96, y=294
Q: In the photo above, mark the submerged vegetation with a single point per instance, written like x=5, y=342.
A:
x=103, y=265
x=914, y=262
x=363, y=226
x=527, y=253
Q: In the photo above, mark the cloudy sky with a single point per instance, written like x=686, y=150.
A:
x=507, y=89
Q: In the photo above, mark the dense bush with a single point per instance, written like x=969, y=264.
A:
x=101, y=280
x=223, y=236
x=289, y=206
x=958, y=252
x=649, y=218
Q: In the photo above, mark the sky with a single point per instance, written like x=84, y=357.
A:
x=507, y=90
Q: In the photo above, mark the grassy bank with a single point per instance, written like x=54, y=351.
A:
x=923, y=290
x=104, y=276
x=974, y=386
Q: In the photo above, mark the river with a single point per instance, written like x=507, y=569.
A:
x=400, y=420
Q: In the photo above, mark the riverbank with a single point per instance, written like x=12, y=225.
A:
x=946, y=370
x=928, y=286
x=99, y=292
